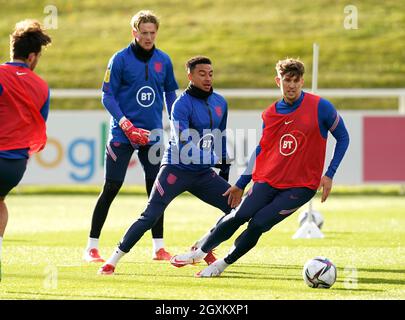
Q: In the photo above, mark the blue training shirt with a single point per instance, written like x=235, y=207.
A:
x=328, y=120
x=134, y=89
x=197, y=138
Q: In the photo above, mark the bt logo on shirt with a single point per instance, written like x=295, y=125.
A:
x=206, y=142
x=145, y=96
x=289, y=142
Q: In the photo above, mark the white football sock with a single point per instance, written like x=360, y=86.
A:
x=199, y=254
x=200, y=242
x=221, y=265
x=231, y=249
x=115, y=257
x=158, y=244
x=92, y=243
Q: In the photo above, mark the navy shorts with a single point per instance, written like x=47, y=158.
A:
x=118, y=155
x=11, y=173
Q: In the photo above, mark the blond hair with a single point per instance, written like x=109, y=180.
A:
x=144, y=16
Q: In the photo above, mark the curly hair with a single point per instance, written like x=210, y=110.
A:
x=291, y=67
x=28, y=36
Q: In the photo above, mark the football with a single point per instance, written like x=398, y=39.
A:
x=319, y=272
x=317, y=216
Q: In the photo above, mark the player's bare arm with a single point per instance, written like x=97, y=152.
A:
x=326, y=186
x=234, y=196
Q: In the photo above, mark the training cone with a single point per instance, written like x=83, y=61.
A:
x=308, y=230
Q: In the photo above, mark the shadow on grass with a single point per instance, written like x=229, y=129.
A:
x=334, y=235
x=257, y=276
x=73, y=296
x=246, y=276
x=297, y=267
x=271, y=266
x=381, y=281
x=356, y=290
x=14, y=240
x=401, y=271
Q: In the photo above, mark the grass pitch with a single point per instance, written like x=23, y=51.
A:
x=364, y=237
x=243, y=38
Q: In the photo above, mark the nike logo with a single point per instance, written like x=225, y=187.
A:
x=20, y=73
x=288, y=122
x=180, y=263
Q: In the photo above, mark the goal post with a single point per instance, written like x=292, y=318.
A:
x=309, y=229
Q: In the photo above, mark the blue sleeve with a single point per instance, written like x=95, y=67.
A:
x=330, y=120
x=184, y=138
x=170, y=97
x=246, y=176
x=111, y=84
x=222, y=128
x=170, y=81
x=45, y=108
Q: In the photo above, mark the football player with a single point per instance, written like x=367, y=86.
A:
x=138, y=79
x=197, y=143
x=288, y=165
x=24, y=107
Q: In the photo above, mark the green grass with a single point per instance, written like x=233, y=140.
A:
x=244, y=104
x=345, y=190
x=244, y=40
x=47, y=233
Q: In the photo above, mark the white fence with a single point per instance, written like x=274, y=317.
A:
x=262, y=93
x=75, y=148
x=76, y=140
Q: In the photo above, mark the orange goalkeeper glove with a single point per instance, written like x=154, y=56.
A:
x=135, y=135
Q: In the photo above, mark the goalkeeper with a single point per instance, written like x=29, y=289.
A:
x=138, y=79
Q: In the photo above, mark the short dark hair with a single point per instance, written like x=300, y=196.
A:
x=291, y=67
x=28, y=36
x=192, y=62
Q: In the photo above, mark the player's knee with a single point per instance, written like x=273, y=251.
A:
x=158, y=221
x=112, y=187
x=150, y=218
x=258, y=227
x=241, y=218
x=232, y=217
